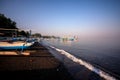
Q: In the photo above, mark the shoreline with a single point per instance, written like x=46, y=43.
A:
x=40, y=62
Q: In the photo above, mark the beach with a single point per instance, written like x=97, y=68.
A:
x=36, y=63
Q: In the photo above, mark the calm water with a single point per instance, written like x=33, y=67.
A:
x=103, y=53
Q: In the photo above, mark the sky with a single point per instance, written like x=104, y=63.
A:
x=65, y=17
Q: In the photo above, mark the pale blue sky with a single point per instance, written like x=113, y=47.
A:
x=65, y=17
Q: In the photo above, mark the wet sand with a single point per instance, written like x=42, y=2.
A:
x=78, y=71
x=38, y=64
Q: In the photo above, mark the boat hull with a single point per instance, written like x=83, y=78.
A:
x=14, y=46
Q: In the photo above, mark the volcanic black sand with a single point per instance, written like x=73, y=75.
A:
x=39, y=65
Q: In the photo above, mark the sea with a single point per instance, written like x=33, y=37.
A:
x=101, y=56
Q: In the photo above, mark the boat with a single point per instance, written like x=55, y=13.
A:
x=15, y=45
x=14, y=42
x=69, y=38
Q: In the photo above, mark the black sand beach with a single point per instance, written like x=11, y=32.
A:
x=39, y=65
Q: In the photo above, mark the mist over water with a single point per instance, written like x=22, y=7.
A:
x=101, y=52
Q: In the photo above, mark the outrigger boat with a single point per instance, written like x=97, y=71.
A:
x=15, y=45
x=14, y=42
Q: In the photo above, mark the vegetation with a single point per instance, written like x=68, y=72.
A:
x=7, y=23
x=23, y=33
x=8, y=28
x=11, y=30
x=36, y=35
x=50, y=37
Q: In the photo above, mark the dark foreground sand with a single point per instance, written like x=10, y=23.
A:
x=39, y=65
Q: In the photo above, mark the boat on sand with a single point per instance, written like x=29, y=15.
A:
x=15, y=45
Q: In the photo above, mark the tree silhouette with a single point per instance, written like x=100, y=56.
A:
x=8, y=28
x=7, y=23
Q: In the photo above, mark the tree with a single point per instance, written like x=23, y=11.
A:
x=23, y=33
x=8, y=28
x=37, y=35
x=7, y=23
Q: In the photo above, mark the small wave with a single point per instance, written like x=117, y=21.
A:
x=86, y=64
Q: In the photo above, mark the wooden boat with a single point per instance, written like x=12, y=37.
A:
x=14, y=42
x=15, y=45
